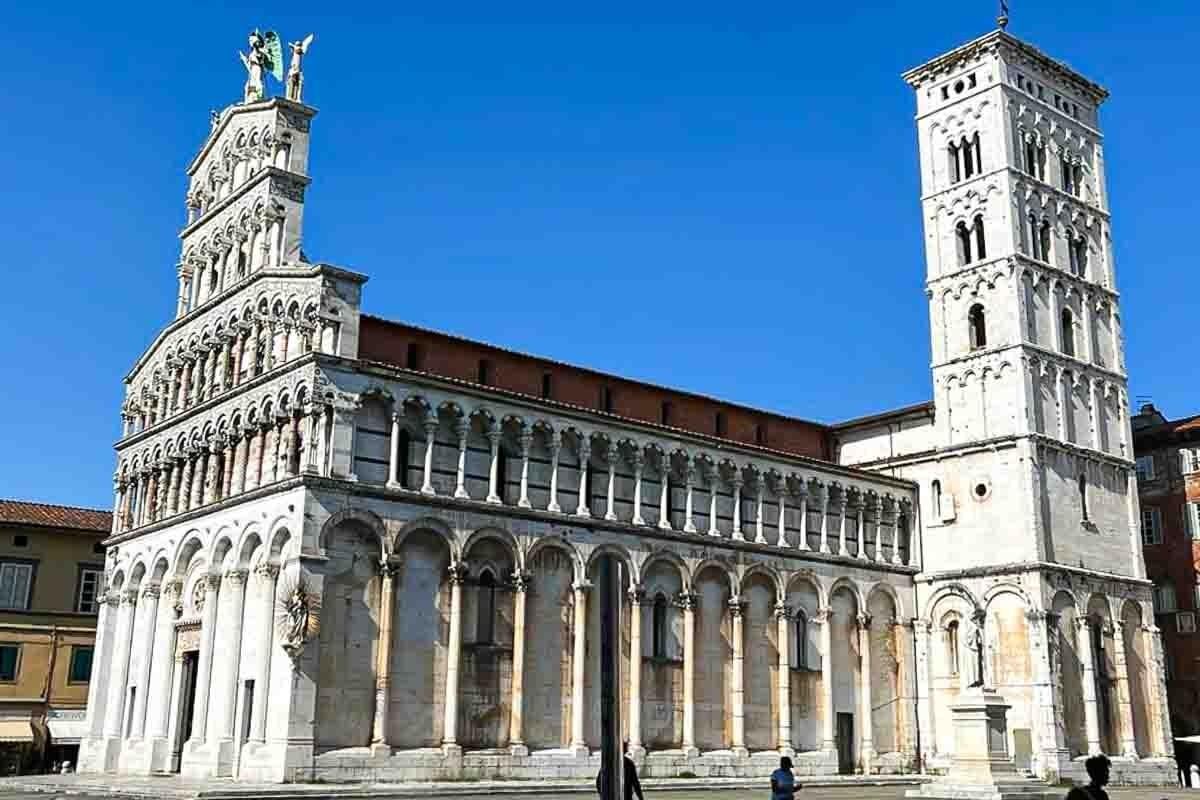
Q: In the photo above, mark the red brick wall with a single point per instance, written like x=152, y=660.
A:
x=448, y=356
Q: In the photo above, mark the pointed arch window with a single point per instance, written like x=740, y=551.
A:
x=977, y=327
x=1044, y=241
x=1078, y=255
x=980, y=243
x=955, y=170
x=1068, y=332
x=485, y=625
x=659, y=627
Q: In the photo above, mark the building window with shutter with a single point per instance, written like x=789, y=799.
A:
x=16, y=578
x=1191, y=520
x=1145, y=468
x=1164, y=598
x=87, y=595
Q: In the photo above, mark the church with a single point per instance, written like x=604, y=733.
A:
x=346, y=548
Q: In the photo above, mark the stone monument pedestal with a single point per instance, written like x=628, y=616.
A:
x=982, y=768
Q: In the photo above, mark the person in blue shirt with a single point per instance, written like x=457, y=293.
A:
x=783, y=782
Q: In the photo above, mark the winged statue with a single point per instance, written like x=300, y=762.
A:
x=265, y=56
x=295, y=77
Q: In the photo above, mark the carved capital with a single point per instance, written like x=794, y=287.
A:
x=864, y=621
x=686, y=601
x=521, y=580
x=172, y=589
x=736, y=606
x=456, y=573
x=637, y=596
x=782, y=611
x=267, y=571
x=236, y=576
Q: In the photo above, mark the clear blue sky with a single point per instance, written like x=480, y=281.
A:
x=721, y=197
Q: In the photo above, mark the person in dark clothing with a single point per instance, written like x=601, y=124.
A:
x=1097, y=769
x=631, y=782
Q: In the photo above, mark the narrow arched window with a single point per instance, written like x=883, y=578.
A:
x=1083, y=500
x=1079, y=256
x=955, y=172
x=502, y=473
x=977, y=327
x=1068, y=332
x=485, y=626
x=952, y=647
x=968, y=159
x=980, y=244
x=659, y=627
x=801, y=641
x=1031, y=158
x=963, y=237
x=1044, y=240
x=935, y=489
x=978, y=153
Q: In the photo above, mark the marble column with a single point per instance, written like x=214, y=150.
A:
x=1124, y=697
x=825, y=489
x=781, y=489
x=738, y=678
x=114, y=712
x=867, y=753
x=802, y=542
x=287, y=446
x=637, y=597
x=578, y=662
x=237, y=473
x=199, y=472
x=163, y=664
x=253, y=436
x=639, y=465
x=689, y=522
x=312, y=449
x=383, y=666
x=186, y=471
x=147, y=634
x=555, y=446
x=526, y=444
x=687, y=601
x=582, y=508
x=267, y=576
x=204, y=663
x=212, y=480
x=516, y=718
x=736, y=486
x=664, y=494
x=824, y=618
x=457, y=574
x=759, y=536
x=843, y=507
x=231, y=619
x=393, y=481
x=106, y=624
x=713, y=477
x=861, y=518
x=229, y=463
x=783, y=618
x=462, y=428
x=430, y=425
x=610, y=509
x=1091, y=715
x=494, y=436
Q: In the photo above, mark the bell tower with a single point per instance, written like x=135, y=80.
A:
x=1024, y=317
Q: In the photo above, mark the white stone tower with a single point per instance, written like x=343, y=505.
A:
x=1031, y=548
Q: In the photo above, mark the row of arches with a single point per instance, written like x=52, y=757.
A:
x=243, y=154
x=271, y=438
x=441, y=448
x=195, y=366
x=768, y=660
x=188, y=654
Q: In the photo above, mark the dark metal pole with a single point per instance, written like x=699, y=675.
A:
x=611, y=756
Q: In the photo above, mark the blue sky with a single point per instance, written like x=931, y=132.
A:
x=720, y=197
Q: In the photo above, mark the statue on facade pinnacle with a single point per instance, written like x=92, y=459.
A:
x=266, y=55
x=295, y=77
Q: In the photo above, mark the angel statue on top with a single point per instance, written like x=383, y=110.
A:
x=266, y=55
x=295, y=76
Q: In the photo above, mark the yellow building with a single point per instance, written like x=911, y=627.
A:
x=51, y=580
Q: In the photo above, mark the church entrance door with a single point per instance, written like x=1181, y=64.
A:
x=845, y=743
x=187, y=705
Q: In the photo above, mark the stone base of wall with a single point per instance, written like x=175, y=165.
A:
x=1125, y=771
x=356, y=765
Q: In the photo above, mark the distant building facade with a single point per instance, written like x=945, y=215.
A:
x=347, y=548
x=1168, y=469
x=51, y=586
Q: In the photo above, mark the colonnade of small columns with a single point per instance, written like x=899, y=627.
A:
x=222, y=362
x=238, y=164
x=687, y=602
x=215, y=266
x=1103, y=400
x=699, y=471
x=224, y=466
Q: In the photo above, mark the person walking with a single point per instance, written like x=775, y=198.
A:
x=783, y=782
x=629, y=779
x=1097, y=769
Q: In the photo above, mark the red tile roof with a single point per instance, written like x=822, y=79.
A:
x=19, y=512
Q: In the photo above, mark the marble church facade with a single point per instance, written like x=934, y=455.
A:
x=346, y=548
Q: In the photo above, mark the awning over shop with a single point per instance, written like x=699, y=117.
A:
x=17, y=729
x=66, y=731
